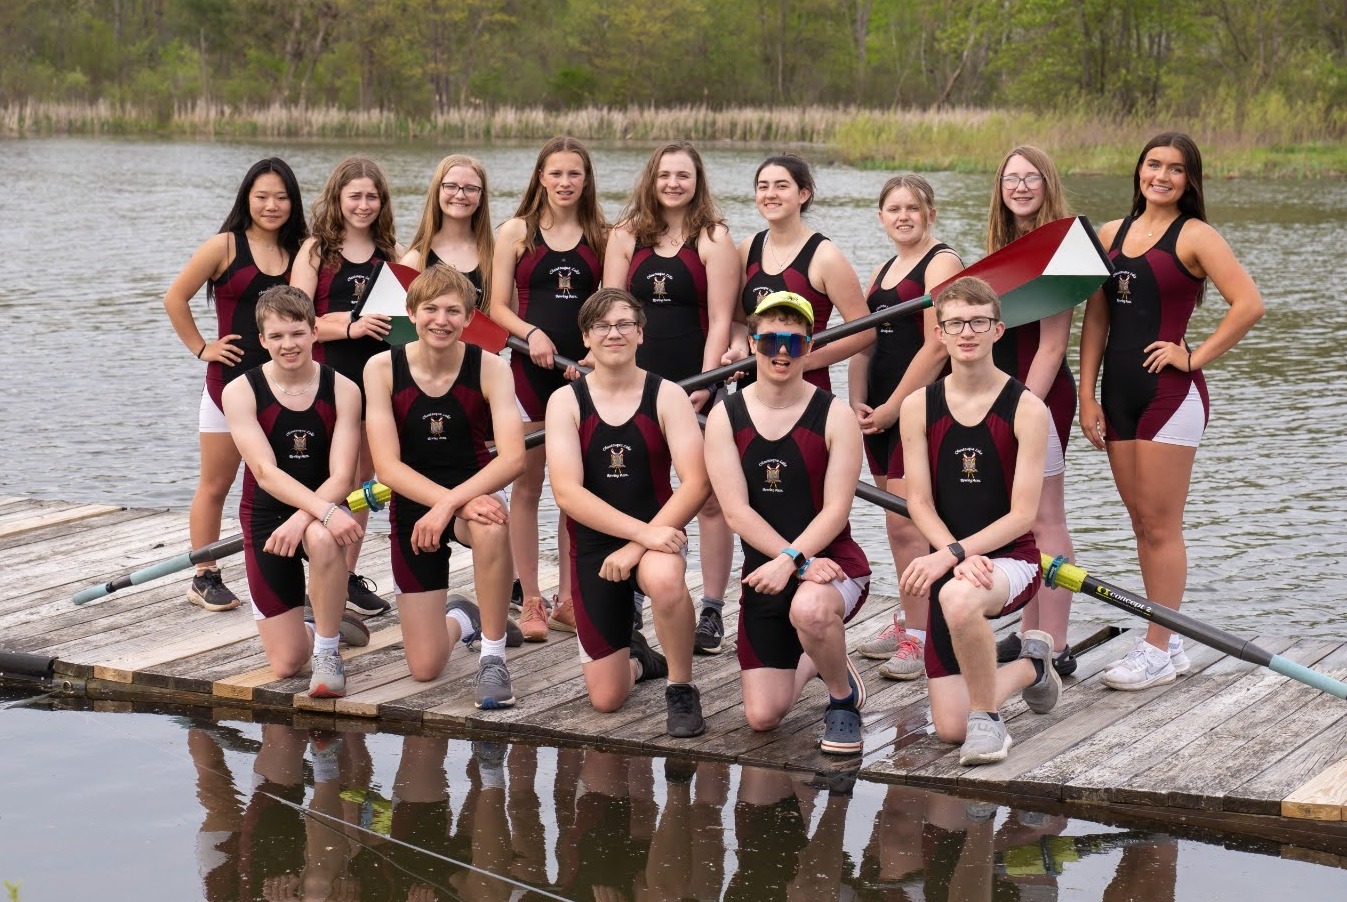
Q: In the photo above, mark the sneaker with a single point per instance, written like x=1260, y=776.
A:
x=986, y=741
x=514, y=636
x=680, y=770
x=329, y=676
x=637, y=611
x=684, y=703
x=1064, y=662
x=841, y=731
x=1177, y=656
x=489, y=753
x=362, y=598
x=908, y=661
x=516, y=598
x=493, y=684
x=885, y=642
x=469, y=607
x=1042, y=695
x=533, y=622
x=710, y=636
x=1144, y=666
x=653, y=665
x=563, y=616
x=1008, y=648
x=352, y=630
x=209, y=591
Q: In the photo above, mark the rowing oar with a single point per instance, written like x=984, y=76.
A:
x=1059, y=573
x=213, y=551
x=1054, y=268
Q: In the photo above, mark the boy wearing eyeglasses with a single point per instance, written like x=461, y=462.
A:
x=612, y=437
x=784, y=458
x=973, y=447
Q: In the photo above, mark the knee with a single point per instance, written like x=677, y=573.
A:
x=958, y=604
x=663, y=578
x=607, y=699
x=286, y=664
x=810, y=614
x=711, y=508
x=951, y=730
x=423, y=671
x=493, y=538
x=1154, y=526
x=762, y=720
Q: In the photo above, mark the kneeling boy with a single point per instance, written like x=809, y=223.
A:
x=973, y=448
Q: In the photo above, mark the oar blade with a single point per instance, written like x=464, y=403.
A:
x=486, y=333
x=1053, y=268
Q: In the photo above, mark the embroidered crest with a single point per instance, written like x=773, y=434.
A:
x=616, y=460
x=437, y=425
x=1124, y=286
x=301, y=442
x=660, y=284
x=563, y=281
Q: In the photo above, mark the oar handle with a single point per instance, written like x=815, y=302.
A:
x=211, y=552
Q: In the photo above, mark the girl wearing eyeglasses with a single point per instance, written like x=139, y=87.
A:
x=547, y=262
x=352, y=233
x=1028, y=194
x=1155, y=398
x=455, y=226
x=906, y=356
x=790, y=256
x=672, y=250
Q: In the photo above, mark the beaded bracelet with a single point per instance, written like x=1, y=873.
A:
x=328, y=516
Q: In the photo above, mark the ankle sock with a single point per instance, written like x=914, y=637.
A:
x=460, y=616
x=848, y=702
x=715, y=604
x=325, y=644
x=919, y=635
x=493, y=647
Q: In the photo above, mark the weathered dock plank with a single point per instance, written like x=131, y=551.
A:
x=1227, y=740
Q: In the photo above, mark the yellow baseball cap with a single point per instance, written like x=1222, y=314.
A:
x=786, y=299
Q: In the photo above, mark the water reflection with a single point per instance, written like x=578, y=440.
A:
x=313, y=822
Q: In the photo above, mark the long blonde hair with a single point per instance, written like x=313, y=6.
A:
x=329, y=227
x=534, y=202
x=1001, y=228
x=432, y=217
x=643, y=213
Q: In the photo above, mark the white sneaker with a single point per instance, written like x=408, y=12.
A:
x=1177, y=656
x=1144, y=666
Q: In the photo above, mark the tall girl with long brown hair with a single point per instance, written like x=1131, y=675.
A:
x=547, y=262
x=352, y=233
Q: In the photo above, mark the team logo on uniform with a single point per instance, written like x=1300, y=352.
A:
x=968, y=461
x=759, y=293
x=299, y=444
x=617, y=461
x=659, y=283
x=437, y=425
x=885, y=328
x=1124, y=286
x=358, y=285
x=771, y=475
x=565, y=289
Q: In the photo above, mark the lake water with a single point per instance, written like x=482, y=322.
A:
x=100, y=400
x=149, y=807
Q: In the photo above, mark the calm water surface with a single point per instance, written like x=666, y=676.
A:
x=100, y=401
x=186, y=809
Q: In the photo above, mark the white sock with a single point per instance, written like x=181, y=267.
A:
x=493, y=647
x=460, y=616
x=325, y=644
x=1175, y=643
x=919, y=635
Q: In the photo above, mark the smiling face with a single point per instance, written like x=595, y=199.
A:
x=463, y=195
x=676, y=180
x=269, y=203
x=967, y=344
x=440, y=320
x=563, y=178
x=1022, y=189
x=360, y=203
x=624, y=335
x=904, y=217
x=777, y=195
x=775, y=364
x=1163, y=176
x=288, y=341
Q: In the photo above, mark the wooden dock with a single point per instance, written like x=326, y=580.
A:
x=1229, y=745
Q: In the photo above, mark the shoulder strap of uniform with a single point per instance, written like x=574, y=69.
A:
x=755, y=249
x=806, y=254
x=1121, y=234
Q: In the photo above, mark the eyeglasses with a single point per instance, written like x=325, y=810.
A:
x=1031, y=181
x=626, y=327
x=452, y=188
x=977, y=324
x=771, y=343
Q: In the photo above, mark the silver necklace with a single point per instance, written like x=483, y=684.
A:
x=303, y=391
x=782, y=407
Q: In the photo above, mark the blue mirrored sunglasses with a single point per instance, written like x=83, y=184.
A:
x=771, y=343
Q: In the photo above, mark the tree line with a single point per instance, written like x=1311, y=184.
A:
x=426, y=57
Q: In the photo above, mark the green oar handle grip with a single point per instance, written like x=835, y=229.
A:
x=211, y=552
x=1299, y=672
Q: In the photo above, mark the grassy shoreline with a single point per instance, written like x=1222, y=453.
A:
x=1278, y=143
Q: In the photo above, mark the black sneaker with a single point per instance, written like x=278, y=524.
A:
x=361, y=597
x=637, y=611
x=653, y=665
x=710, y=636
x=1064, y=662
x=684, y=703
x=209, y=591
x=1008, y=649
x=516, y=598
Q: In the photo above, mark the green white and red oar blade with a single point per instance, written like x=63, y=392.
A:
x=388, y=295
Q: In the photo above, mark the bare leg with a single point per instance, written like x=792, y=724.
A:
x=907, y=544
x=524, y=499
x=1050, y=609
x=716, y=548
x=364, y=472
x=219, y=467
x=816, y=613
x=663, y=577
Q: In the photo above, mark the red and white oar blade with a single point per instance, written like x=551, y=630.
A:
x=1053, y=268
x=486, y=333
